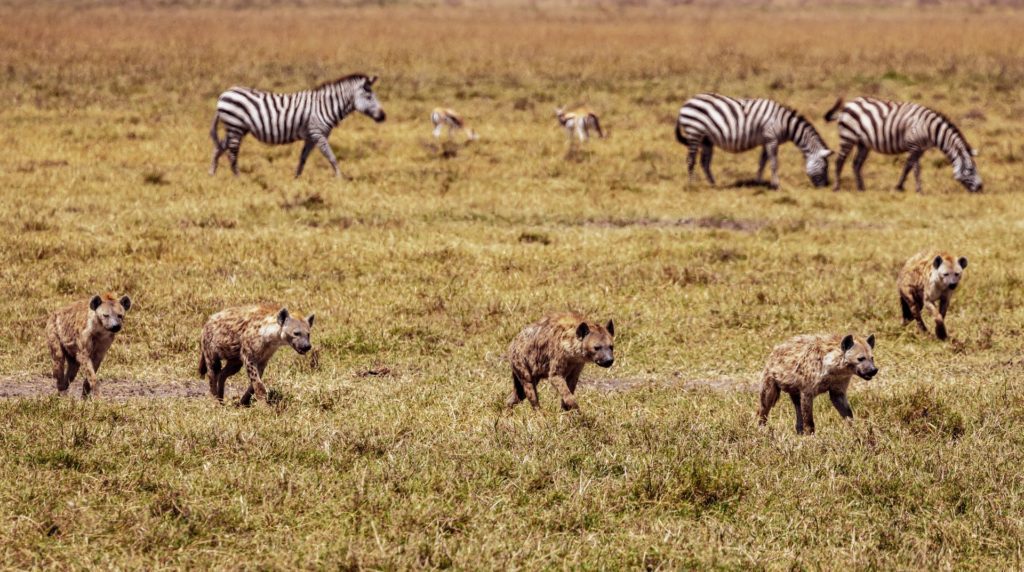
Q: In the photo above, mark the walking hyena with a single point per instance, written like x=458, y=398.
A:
x=807, y=366
x=80, y=334
x=928, y=277
x=556, y=348
x=247, y=337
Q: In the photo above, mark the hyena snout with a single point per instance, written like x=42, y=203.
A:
x=302, y=346
x=867, y=370
x=604, y=358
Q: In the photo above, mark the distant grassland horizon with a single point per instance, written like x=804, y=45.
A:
x=389, y=448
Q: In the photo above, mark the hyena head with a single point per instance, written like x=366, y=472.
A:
x=598, y=342
x=366, y=101
x=859, y=355
x=110, y=311
x=966, y=172
x=295, y=331
x=817, y=167
x=946, y=272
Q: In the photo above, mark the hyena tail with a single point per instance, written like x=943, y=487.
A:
x=213, y=132
x=831, y=114
x=680, y=136
x=907, y=313
x=517, y=384
x=597, y=125
x=202, y=364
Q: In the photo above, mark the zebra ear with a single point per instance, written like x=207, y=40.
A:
x=372, y=80
x=824, y=153
x=974, y=153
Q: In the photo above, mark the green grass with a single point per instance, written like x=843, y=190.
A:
x=390, y=449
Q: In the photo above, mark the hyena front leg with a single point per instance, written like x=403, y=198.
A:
x=807, y=412
x=518, y=392
x=905, y=306
x=940, y=318
x=568, y=399
x=841, y=403
x=256, y=387
x=90, y=384
x=59, y=363
x=795, y=398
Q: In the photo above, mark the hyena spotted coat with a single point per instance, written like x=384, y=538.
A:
x=927, y=279
x=807, y=366
x=247, y=337
x=80, y=335
x=556, y=348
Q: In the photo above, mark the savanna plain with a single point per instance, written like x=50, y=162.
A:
x=387, y=446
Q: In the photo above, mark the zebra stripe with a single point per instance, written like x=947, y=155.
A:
x=281, y=118
x=579, y=122
x=711, y=120
x=893, y=127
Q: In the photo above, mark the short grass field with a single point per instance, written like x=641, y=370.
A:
x=388, y=447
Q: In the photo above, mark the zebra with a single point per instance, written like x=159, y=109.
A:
x=579, y=121
x=894, y=127
x=442, y=117
x=709, y=119
x=280, y=118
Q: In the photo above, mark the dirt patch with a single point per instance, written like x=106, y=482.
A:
x=28, y=385
x=675, y=381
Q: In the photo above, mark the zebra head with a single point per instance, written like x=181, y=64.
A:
x=366, y=101
x=817, y=167
x=966, y=172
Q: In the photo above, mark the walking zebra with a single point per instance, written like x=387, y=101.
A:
x=709, y=120
x=579, y=121
x=280, y=118
x=442, y=117
x=893, y=127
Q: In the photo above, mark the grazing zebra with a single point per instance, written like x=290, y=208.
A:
x=709, y=120
x=280, y=118
x=442, y=117
x=579, y=121
x=892, y=128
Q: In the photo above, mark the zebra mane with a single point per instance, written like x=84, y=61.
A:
x=803, y=120
x=955, y=129
x=350, y=77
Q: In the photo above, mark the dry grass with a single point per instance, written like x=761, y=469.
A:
x=389, y=449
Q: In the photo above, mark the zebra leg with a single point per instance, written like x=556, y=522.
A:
x=772, y=149
x=233, y=144
x=917, y=174
x=437, y=131
x=307, y=147
x=858, y=163
x=844, y=150
x=707, y=150
x=912, y=159
x=761, y=163
x=325, y=148
x=691, y=158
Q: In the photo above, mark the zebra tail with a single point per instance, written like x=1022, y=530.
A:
x=213, y=132
x=830, y=115
x=680, y=137
x=597, y=124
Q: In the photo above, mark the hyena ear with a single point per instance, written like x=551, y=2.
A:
x=871, y=341
x=582, y=330
x=309, y=319
x=282, y=316
x=963, y=262
x=95, y=302
x=937, y=262
x=126, y=302
x=847, y=343
x=611, y=328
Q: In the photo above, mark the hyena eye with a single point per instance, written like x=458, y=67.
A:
x=861, y=358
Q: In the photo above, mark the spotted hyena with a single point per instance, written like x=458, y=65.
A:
x=929, y=277
x=80, y=334
x=247, y=337
x=807, y=366
x=556, y=348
